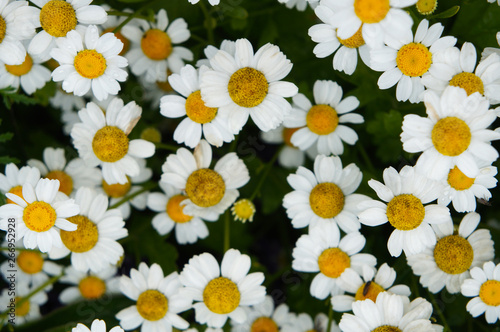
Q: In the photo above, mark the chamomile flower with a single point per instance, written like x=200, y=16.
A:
x=97, y=326
x=484, y=286
x=158, y=302
x=38, y=214
x=290, y=156
x=226, y=45
x=209, y=192
x=406, y=60
x=200, y=121
x=89, y=63
x=325, y=196
x=249, y=84
x=405, y=193
x=426, y=7
x=322, y=124
x=101, y=139
x=454, y=133
x=14, y=179
x=323, y=251
x=304, y=323
x=29, y=310
x=243, y=210
x=221, y=292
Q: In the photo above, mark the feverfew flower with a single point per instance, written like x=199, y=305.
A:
x=97, y=326
x=30, y=309
x=14, y=179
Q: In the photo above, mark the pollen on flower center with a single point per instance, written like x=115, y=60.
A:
x=387, y=328
x=84, y=238
x=152, y=305
x=30, y=262
x=469, y=82
x=458, y=180
x=490, y=293
x=264, y=324
x=156, y=44
x=368, y=290
x=116, y=190
x=355, y=40
x=22, y=69
x=243, y=210
x=57, y=18
x=322, y=119
x=39, y=216
x=125, y=41
x=221, y=295
x=3, y=29
x=23, y=309
x=426, y=7
x=205, y=187
x=371, y=11
x=90, y=63
x=92, y=287
x=333, y=261
x=196, y=109
x=175, y=209
x=18, y=191
x=110, y=144
x=248, y=87
x=326, y=200
x=414, y=59
x=405, y=212
x=65, y=181
x=287, y=136
x=453, y=254
x=451, y=136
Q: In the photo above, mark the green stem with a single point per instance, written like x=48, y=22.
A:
x=265, y=173
x=146, y=187
x=366, y=159
x=330, y=316
x=134, y=15
x=227, y=231
x=168, y=147
x=439, y=312
x=208, y=21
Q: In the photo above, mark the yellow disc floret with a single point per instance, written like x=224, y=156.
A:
x=22, y=69
x=156, y=44
x=152, y=305
x=414, y=59
x=490, y=293
x=453, y=254
x=3, y=29
x=23, y=309
x=110, y=144
x=458, y=180
x=57, y=18
x=92, y=287
x=205, y=187
x=368, y=290
x=175, y=209
x=243, y=210
x=84, y=238
x=451, y=136
x=469, y=82
x=65, y=181
x=221, y=295
x=18, y=191
x=371, y=11
x=196, y=109
x=333, y=262
x=248, y=87
x=116, y=190
x=90, y=63
x=39, y=216
x=264, y=324
x=387, y=328
x=322, y=119
x=405, y=212
x=355, y=40
x=30, y=262
x=326, y=200
x=426, y=7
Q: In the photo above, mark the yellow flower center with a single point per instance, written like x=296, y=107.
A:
x=90, y=63
x=371, y=11
x=92, y=287
x=196, y=109
x=125, y=41
x=355, y=40
x=458, y=180
x=152, y=305
x=65, y=181
x=30, y=262
x=3, y=29
x=243, y=210
x=333, y=261
x=84, y=238
x=264, y=324
x=110, y=144
x=414, y=59
x=57, y=18
x=322, y=119
x=426, y=7
x=453, y=254
x=116, y=190
x=23, y=309
x=18, y=191
x=175, y=209
x=287, y=136
x=326, y=200
x=22, y=69
x=451, y=136
x=490, y=293
x=469, y=82
x=386, y=328
x=39, y=216
x=405, y=212
x=151, y=134
x=368, y=290
x=221, y=295
x=156, y=44
x=205, y=187
x=247, y=87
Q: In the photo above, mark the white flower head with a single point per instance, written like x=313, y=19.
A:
x=97, y=326
x=29, y=310
x=14, y=179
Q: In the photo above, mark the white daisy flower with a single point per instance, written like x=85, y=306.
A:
x=323, y=123
x=325, y=196
x=390, y=312
x=201, y=121
x=304, y=323
x=89, y=63
x=158, y=302
x=210, y=192
x=484, y=286
x=454, y=133
x=404, y=61
x=152, y=49
x=212, y=2
x=93, y=246
x=323, y=251
x=405, y=193
x=210, y=51
x=14, y=179
x=448, y=262
x=97, y=326
x=221, y=292
x=29, y=310
x=101, y=139
x=249, y=84
x=38, y=213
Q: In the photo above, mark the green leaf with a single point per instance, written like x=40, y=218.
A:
x=8, y=160
x=5, y=137
x=450, y=12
